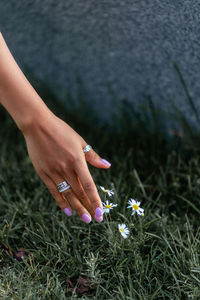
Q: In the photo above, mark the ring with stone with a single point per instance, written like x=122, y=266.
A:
x=63, y=186
x=87, y=148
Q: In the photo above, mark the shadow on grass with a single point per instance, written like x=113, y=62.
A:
x=140, y=127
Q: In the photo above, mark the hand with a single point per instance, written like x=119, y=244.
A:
x=56, y=152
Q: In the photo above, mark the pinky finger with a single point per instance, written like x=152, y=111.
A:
x=60, y=199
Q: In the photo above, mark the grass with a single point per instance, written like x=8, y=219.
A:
x=160, y=259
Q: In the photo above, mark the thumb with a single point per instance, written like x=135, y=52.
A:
x=95, y=160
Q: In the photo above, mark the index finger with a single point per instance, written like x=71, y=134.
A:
x=86, y=180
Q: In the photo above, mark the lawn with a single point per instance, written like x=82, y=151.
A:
x=45, y=254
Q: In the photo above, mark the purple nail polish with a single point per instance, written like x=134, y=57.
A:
x=99, y=212
x=98, y=219
x=67, y=211
x=86, y=218
x=105, y=162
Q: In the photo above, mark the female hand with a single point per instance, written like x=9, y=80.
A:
x=55, y=149
x=56, y=152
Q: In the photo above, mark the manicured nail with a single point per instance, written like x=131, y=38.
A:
x=98, y=219
x=99, y=212
x=86, y=218
x=105, y=162
x=67, y=211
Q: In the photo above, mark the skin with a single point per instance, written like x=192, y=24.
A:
x=55, y=149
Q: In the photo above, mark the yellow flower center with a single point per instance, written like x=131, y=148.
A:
x=121, y=229
x=135, y=206
x=108, y=206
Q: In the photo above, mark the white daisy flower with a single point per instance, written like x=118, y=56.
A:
x=135, y=205
x=123, y=230
x=109, y=192
x=107, y=206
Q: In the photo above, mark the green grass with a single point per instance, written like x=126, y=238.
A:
x=160, y=259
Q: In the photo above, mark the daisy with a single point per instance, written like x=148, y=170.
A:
x=135, y=205
x=107, y=206
x=123, y=230
x=109, y=192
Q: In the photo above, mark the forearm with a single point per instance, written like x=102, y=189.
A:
x=16, y=93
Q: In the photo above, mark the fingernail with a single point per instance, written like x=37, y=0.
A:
x=98, y=219
x=67, y=211
x=99, y=212
x=86, y=218
x=105, y=162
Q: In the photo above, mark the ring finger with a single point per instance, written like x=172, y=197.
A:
x=60, y=199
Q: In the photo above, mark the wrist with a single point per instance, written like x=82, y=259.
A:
x=17, y=95
x=35, y=120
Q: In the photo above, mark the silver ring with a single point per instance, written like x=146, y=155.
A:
x=87, y=148
x=63, y=186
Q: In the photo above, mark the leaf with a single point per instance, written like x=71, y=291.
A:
x=82, y=286
x=21, y=254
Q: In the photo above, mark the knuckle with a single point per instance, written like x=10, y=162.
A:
x=72, y=158
x=62, y=167
x=78, y=161
x=88, y=186
x=93, y=154
x=51, y=168
x=68, y=193
x=81, y=194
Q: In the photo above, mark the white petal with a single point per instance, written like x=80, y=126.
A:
x=140, y=212
x=107, y=202
x=110, y=193
x=121, y=226
x=124, y=235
